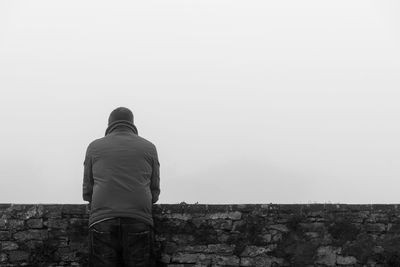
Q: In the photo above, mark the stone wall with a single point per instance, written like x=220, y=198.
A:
x=216, y=235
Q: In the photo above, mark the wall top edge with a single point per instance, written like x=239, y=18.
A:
x=207, y=208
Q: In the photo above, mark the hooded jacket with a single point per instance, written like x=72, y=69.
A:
x=121, y=175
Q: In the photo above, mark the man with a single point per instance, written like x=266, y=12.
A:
x=121, y=181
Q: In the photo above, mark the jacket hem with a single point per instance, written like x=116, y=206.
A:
x=93, y=220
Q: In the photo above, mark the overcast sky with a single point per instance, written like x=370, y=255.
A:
x=246, y=101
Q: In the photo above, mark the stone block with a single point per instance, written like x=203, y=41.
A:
x=8, y=245
x=375, y=227
x=15, y=208
x=34, y=223
x=317, y=214
x=165, y=258
x=346, y=260
x=238, y=225
x=79, y=246
x=246, y=207
x=181, y=239
x=225, y=260
x=198, y=221
x=279, y=227
x=4, y=235
x=222, y=249
x=378, y=249
x=313, y=227
x=311, y=234
x=3, y=224
x=68, y=256
x=52, y=211
x=58, y=233
x=276, y=237
x=18, y=255
x=327, y=255
x=187, y=248
x=223, y=236
x=15, y=224
x=32, y=244
x=35, y=211
x=235, y=215
x=246, y=261
x=221, y=224
x=266, y=237
x=57, y=223
x=3, y=257
x=215, y=216
x=262, y=261
x=253, y=251
x=31, y=235
x=178, y=216
x=78, y=222
x=73, y=209
x=182, y=257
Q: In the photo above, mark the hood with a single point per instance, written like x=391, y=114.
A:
x=116, y=124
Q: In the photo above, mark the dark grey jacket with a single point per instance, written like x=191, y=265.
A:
x=121, y=176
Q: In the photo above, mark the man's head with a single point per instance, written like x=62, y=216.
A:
x=121, y=117
x=120, y=114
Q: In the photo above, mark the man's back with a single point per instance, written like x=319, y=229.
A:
x=123, y=168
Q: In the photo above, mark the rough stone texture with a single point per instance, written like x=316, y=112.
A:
x=216, y=235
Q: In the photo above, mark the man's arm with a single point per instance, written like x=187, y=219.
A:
x=155, y=178
x=87, y=177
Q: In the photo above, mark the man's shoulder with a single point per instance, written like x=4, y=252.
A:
x=96, y=142
x=147, y=145
x=105, y=140
x=145, y=141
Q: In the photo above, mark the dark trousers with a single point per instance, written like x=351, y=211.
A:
x=122, y=242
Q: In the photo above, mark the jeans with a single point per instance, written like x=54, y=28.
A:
x=121, y=242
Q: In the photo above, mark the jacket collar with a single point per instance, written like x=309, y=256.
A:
x=125, y=124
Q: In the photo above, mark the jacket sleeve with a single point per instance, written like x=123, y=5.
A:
x=155, y=178
x=87, y=177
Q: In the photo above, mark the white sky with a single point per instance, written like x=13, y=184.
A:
x=246, y=101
